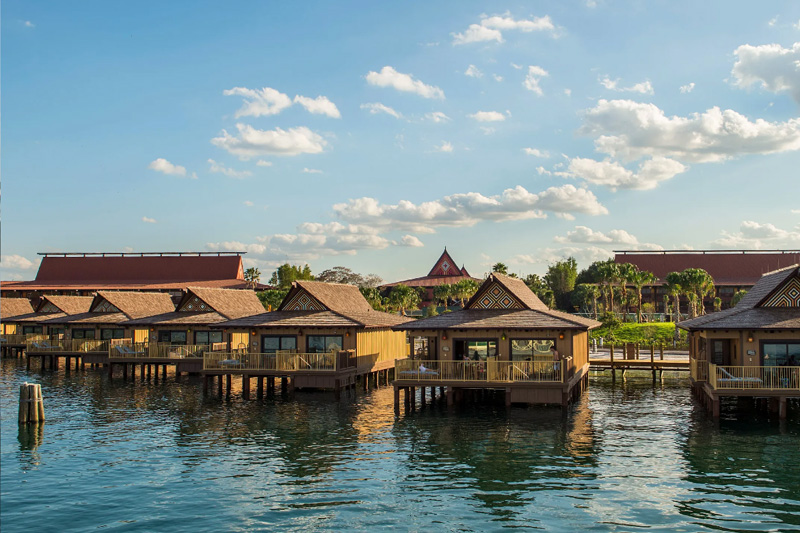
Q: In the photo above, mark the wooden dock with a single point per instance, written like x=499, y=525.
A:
x=639, y=364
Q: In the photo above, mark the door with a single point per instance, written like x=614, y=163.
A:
x=721, y=352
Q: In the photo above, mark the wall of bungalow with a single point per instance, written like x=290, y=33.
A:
x=252, y=339
x=737, y=347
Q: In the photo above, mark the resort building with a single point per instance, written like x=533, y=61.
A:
x=732, y=270
x=83, y=274
x=504, y=339
x=37, y=321
x=444, y=271
x=753, y=349
x=323, y=335
x=11, y=308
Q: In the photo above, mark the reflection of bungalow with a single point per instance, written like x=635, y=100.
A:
x=752, y=349
x=502, y=340
x=444, y=271
x=323, y=335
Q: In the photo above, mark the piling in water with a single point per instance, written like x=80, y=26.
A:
x=31, y=406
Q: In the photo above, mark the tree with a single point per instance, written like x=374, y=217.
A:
x=403, y=297
x=586, y=294
x=443, y=293
x=609, y=273
x=373, y=296
x=464, y=289
x=675, y=289
x=590, y=274
x=500, y=268
x=536, y=284
x=639, y=279
x=700, y=283
x=272, y=298
x=627, y=272
x=737, y=297
x=560, y=278
x=340, y=274
x=252, y=276
x=286, y=274
x=717, y=303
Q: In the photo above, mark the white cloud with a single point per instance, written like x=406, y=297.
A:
x=252, y=142
x=467, y=209
x=568, y=92
x=585, y=255
x=236, y=246
x=248, y=203
x=796, y=25
x=770, y=66
x=411, y=240
x=377, y=107
x=389, y=77
x=758, y=235
x=311, y=171
x=586, y=235
x=490, y=28
x=477, y=33
x=259, y=102
x=796, y=211
x=219, y=168
x=262, y=163
x=535, y=152
x=689, y=87
x=437, y=116
x=29, y=24
x=165, y=167
x=488, y=116
x=772, y=21
x=318, y=106
x=518, y=67
x=444, y=147
x=17, y=262
x=473, y=72
x=535, y=74
x=644, y=87
x=631, y=130
x=613, y=175
x=497, y=77
x=488, y=130
x=149, y=220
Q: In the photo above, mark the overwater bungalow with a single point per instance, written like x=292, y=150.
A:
x=753, y=349
x=12, y=335
x=504, y=339
x=87, y=336
x=323, y=335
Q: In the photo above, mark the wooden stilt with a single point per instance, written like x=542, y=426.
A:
x=259, y=387
x=508, y=396
x=245, y=386
x=124, y=370
x=782, y=408
x=219, y=386
x=284, y=385
x=228, y=379
x=205, y=386
x=413, y=393
x=396, y=400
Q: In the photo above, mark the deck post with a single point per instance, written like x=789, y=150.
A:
x=271, y=385
x=245, y=386
x=450, y=399
x=124, y=370
x=396, y=399
x=219, y=386
x=110, y=370
x=164, y=373
x=508, y=397
x=149, y=371
x=715, y=407
x=661, y=352
x=613, y=368
x=407, y=398
x=28, y=364
x=337, y=390
x=228, y=380
x=782, y=407
x=259, y=387
x=83, y=365
x=205, y=386
x=284, y=385
x=412, y=392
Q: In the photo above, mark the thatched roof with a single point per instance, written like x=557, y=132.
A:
x=337, y=297
x=130, y=304
x=748, y=313
x=11, y=307
x=70, y=305
x=230, y=303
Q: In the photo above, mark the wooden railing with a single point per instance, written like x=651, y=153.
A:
x=698, y=369
x=754, y=377
x=482, y=371
x=162, y=350
x=281, y=361
x=23, y=339
x=67, y=345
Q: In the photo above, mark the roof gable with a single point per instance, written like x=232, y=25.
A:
x=191, y=303
x=47, y=308
x=71, y=305
x=230, y=303
x=133, y=304
x=786, y=295
x=299, y=299
x=103, y=306
x=504, y=292
x=445, y=266
x=10, y=307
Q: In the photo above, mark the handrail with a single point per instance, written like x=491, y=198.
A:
x=481, y=371
x=698, y=369
x=67, y=345
x=754, y=377
x=284, y=361
x=161, y=350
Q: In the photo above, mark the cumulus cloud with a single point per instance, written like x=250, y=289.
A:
x=165, y=167
x=467, y=209
x=17, y=262
x=437, y=116
x=491, y=28
x=262, y=163
x=444, y=147
x=318, y=106
x=488, y=116
x=389, y=77
x=770, y=66
x=259, y=102
x=644, y=87
x=311, y=171
x=236, y=246
x=535, y=74
x=411, y=240
x=377, y=107
x=757, y=235
x=219, y=168
x=473, y=72
x=631, y=130
x=583, y=255
x=29, y=24
x=615, y=176
x=248, y=203
x=497, y=77
x=149, y=220
x=585, y=235
x=251, y=142
x=535, y=152
x=689, y=87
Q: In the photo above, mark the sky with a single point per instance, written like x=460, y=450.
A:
x=373, y=134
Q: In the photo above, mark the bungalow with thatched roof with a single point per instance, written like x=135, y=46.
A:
x=752, y=349
x=48, y=308
x=505, y=338
x=323, y=335
x=11, y=308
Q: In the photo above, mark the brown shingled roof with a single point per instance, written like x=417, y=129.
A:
x=131, y=305
x=515, y=286
x=143, y=268
x=70, y=305
x=747, y=314
x=11, y=307
x=176, y=318
x=338, y=297
x=229, y=303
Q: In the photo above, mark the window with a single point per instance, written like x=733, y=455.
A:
x=31, y=329
x=54, y=330
x=273, y=343
x=324, y=343
x=531, y=349
x=107, y=334
x=781, y=353
x=207, y=337
x=475, y=350
x=83, y=333
x=172, y=337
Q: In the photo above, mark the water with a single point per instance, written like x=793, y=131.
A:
x=121, y=456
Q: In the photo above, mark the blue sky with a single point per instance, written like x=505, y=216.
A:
x=371, y=135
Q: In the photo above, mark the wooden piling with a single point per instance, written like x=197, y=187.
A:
x=31, y=404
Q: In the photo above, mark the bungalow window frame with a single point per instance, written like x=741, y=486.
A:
x=83, y=331
x=113, y=334
x=280, y=342
x=170, y=341
x=532, y=354
x=324, y=336
x=785, y=342
x=208, y=333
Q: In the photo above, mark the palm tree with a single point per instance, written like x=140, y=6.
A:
x=252, y=276
x=464, y=289
x=403, y=297
x=608, y=272
x=639, y=279
x=500, y=268
x=700, y=284
x=442, y=293
x=627, y=273
x=675, y=289
x=587, y=292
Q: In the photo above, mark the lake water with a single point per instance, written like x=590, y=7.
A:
x=124, y=456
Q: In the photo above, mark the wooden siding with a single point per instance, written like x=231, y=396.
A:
x=380, y=345
x=580, y=349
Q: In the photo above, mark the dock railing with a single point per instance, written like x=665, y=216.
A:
x=754, y=377
x=281, y=361
x=67, y=345
x=144, y=350
x=698, y=369
x=18, y=338
x=481, y=371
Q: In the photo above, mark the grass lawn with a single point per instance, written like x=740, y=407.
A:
x=656, y=332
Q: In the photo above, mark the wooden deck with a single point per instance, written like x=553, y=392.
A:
x=639, y=364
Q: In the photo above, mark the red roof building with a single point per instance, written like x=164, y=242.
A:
x=444, y=271
x=87, y=273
